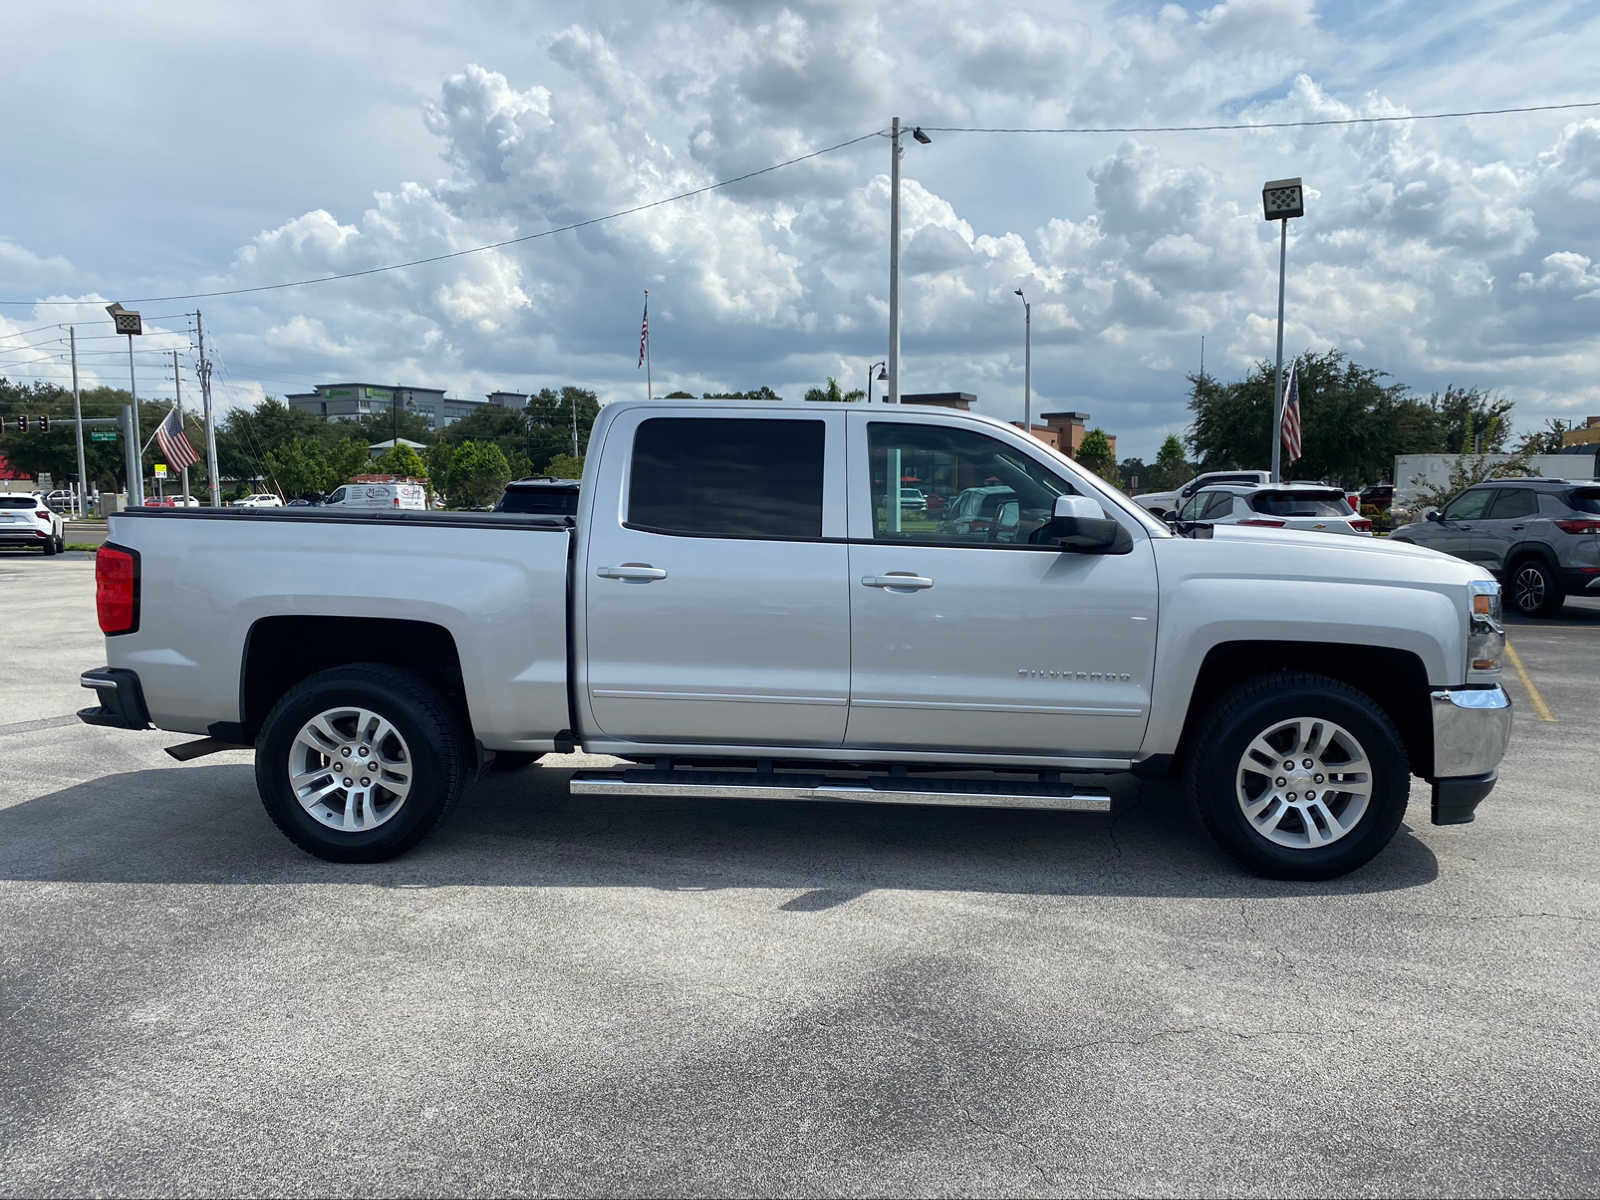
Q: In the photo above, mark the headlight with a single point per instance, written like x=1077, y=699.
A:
x=1486, y=637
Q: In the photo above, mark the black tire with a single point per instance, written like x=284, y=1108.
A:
x=513, y=760
x=61, y=544
x=49, y=546
x=433, y=740
x=1535, y=591
x=1251, y=710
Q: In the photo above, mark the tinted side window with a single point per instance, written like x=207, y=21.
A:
x=727, y=478
x=1585, y=500
x=1193, y=507
x=548, y=501
x=1220, y=505
x=1514, y=502
x=1469, y=505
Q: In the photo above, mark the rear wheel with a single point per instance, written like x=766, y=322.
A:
x=359, y=763
x=1534, y=589
x=49, y=546
x=1299, y=776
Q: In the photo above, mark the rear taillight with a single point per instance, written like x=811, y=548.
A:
x=116, y=589
x=1264, y=523
x=1361, y=525
x=1578, y=526
x=43, y=514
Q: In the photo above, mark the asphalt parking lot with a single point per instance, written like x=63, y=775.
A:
x=631, y=997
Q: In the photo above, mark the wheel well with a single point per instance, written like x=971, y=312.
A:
x=1396, y=681
x=281, y=651
x=1526, y=550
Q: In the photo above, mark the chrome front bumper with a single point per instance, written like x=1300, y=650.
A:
x=1471, y=729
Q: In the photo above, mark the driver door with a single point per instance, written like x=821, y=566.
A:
x=972, y=637
x=1458, y=523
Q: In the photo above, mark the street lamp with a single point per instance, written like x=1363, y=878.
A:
x=893, y=396
x=1281, y=199
x=882, y=373
x=126, y=321
x=1027, y=365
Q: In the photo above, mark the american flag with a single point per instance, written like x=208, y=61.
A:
x=174, y=444
x=644, y=330
x=1291, y=415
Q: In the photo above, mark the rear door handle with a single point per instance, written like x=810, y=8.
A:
x=897, y=579
x=638, y=572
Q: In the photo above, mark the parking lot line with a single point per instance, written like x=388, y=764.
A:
x=1540, y=708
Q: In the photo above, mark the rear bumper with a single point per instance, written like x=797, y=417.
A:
x=121, y=698
x=19, y=534
x=1471, y=729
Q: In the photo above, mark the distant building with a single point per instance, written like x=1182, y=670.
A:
x=509, y=399
x=354, y=401
x=1065, y=431
x=960, y=401
x=1589, y=435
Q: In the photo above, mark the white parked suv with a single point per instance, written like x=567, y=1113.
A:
x=1313, y=507
x=26, y=520
x=258, y=500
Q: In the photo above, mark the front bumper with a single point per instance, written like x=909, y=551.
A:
x=121, y=697
x=1471, y=729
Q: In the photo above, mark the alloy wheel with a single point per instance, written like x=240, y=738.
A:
x=350, y=769
x=1304, y=783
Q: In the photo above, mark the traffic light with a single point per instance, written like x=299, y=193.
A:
x=44, y=422
x=22, y=423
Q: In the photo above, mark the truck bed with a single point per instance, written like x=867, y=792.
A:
x=495, y=584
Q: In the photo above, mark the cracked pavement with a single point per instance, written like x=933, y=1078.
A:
x=614, y=997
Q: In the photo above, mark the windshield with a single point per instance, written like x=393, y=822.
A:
x=1300, y=504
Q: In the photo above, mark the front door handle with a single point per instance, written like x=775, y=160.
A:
x=1518, y=528
x=638, y=572
x=897, y=579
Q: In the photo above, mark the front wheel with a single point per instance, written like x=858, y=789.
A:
x=1299, y=776
x=359, y=763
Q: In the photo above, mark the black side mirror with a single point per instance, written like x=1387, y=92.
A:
x=1080, y=527
x=1432, y=514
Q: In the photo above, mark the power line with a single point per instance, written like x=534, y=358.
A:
x=1440, y=116
x=84, y=324
x=527, y=237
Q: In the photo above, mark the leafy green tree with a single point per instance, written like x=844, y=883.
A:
x=347, y=459
x=832, y=394
x=299, y=468
x=478, y=474
x=679, y=396
x=1134, y=468
x=1462, y=413
x=1095, y=453
x=381, y=426
x=401, y=460
x=1172, y=470
x=761, y=393
x=564, y=466
x=1547, y=440
x=1474, y=467
x=549, y=416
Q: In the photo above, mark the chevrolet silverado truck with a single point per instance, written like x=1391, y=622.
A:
x=742, y=606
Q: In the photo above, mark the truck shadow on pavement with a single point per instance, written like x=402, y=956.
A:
x=204, y=824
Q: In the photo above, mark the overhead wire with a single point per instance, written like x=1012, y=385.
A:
x=1246, y=125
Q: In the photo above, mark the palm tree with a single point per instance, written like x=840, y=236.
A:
x=832, y=394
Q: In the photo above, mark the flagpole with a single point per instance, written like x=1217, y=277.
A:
x=649, y=387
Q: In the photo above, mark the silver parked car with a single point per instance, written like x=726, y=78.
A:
x=1313, y=507
x=1540, y=536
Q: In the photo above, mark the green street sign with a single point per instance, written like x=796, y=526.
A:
x=102, y=435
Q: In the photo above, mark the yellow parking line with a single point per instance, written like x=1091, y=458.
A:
x=1540, y=708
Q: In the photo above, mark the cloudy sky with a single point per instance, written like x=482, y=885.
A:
x=174, y=148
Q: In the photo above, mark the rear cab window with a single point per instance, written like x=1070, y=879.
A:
x=728, y=477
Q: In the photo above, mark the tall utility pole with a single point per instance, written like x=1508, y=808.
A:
x=1281, y=199
x=892, y=395
x=177, y=392
x=573, y=406
x=1027, y=365
x=77, y=417
x=211, y=428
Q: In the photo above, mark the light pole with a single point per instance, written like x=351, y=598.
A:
x=893, y=394
x=1027, y=365
x=881, y=368
x=1281, y=199
x=127, y=322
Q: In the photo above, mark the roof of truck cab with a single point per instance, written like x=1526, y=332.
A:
x=808, y=407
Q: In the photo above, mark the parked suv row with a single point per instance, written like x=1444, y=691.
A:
x=1540, y=536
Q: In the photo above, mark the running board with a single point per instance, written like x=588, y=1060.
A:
x=746, y=785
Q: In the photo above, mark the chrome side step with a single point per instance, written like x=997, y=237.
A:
x=899, y=789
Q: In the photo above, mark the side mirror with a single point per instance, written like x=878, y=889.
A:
x=1081, y=527
x=1432, y=515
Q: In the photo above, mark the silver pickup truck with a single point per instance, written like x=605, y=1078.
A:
x=743, y=605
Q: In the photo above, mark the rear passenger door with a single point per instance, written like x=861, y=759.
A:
x=713, y=579
x=1503, y=526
